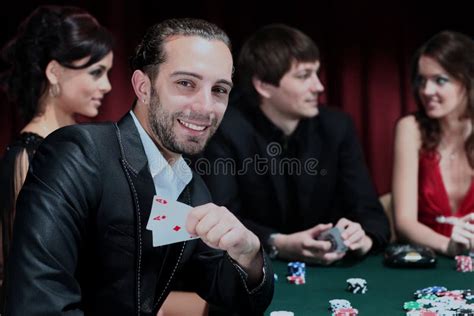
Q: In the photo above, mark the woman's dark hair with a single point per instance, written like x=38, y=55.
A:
x=455, y=53
x=61, y=33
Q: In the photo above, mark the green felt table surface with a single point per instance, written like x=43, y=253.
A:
x=388, y=288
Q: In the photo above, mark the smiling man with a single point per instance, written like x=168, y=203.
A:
x=81, y=245
x=288, y=168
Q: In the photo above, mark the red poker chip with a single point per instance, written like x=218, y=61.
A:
x=346, y=312
x=295, y=279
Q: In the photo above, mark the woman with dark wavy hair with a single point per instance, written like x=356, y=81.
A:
x=58, y=67
x=434, y=149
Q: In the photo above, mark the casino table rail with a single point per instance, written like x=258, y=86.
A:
x=388, y=288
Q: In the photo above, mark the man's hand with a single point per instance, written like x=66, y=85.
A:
x=354, y=236
x=220, y=229
x=303, y=246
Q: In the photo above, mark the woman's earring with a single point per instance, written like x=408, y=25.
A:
x=54, y=90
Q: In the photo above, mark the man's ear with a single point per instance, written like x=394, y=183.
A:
x=263, y=88
x=141, y=85
x=53, y=72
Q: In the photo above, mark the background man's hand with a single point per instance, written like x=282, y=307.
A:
x=354, y=236
x=303, y=246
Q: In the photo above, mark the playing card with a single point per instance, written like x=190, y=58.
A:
x=159, y=203
x=168, y=221
x=333, y=235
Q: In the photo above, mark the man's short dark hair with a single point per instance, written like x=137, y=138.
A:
x=269, y=53
x=150, y=53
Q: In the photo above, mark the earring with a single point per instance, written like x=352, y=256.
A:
x=54, y=90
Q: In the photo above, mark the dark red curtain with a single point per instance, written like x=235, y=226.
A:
x=366, y=52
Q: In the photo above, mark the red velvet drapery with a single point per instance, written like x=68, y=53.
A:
x=366, y=52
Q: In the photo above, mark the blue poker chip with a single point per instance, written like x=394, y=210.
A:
x=430, y=290
x=296, y=268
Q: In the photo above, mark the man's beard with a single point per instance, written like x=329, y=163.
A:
x=162, y=121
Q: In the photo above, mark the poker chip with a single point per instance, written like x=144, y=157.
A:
x=429, y=290
x=468, y=294
x=464, y=312
x=336, y=304
x=346, y=312
x=424, y=302
x=296, y=273
x=455, y=295
x=357, y=285
x=438, y=300
x=464, y=263
x=446, y=313
x=430, y=297
x=294, y=279
x=282, y=313
x=421, y=312
x=411, y=305
x=296, y=268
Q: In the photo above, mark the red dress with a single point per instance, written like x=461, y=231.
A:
x=432, y=196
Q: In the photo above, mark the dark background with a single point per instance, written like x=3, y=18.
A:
x=366, y=51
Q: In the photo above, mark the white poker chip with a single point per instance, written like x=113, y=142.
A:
x=424, y=301
x=339, y=303
x=357, y=285
x=356, y=281
x=281, y=313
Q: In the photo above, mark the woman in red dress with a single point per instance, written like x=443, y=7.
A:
x=434, y=149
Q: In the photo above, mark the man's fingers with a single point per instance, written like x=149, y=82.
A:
x=316, y=245
x=219, y=228
x=350, y=229
x=342, y=223
x=216, y=233
x=318, y=229
x=203, y=218
x=206, y=223
x=230, y=239
x=353, y=242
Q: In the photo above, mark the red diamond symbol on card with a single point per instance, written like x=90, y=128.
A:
x=177, y=228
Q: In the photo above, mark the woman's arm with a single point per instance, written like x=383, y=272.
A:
x=405, y=188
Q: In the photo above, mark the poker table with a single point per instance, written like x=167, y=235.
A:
x=388, y=288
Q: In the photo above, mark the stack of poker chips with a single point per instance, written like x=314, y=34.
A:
x=437, y=300
x=296, y=272
x=340, y=307
x=464, y=263
x=357, y=285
